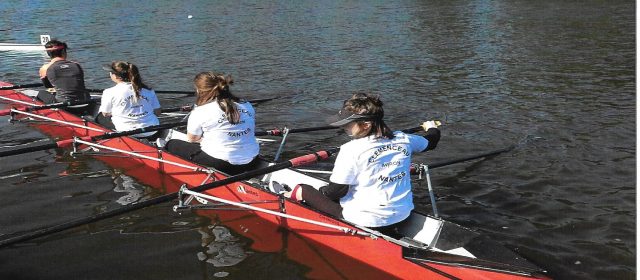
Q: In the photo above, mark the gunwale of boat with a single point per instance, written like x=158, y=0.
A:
x=412, y=256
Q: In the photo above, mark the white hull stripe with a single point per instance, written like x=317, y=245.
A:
x=194, y=168
x=213, y=198
x=58, y=121
x=18, y=101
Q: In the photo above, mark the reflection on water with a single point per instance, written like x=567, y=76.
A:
x=220, y=247
x=127, y=185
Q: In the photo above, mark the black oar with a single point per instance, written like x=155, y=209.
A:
x=463, y=159
x=280, y=132
x=157, y=91
x=298, y=161
x=187, y=108
x=21, y=86
x=48, y=106
x=108, y=135
x=414, y=166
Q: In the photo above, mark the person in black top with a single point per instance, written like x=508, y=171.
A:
x=63, y=79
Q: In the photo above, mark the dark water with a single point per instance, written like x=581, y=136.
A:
x=555, y=76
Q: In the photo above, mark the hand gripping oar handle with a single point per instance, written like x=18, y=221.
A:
x=21, y=86
x=298, y=161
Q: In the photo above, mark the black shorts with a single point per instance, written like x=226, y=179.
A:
x=192, y=152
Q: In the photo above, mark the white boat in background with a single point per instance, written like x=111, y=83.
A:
x=26, y=47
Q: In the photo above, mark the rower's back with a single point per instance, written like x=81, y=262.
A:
x=67, y=78
x=64, y=79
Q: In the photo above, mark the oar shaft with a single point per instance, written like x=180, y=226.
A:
x=280, y=132
x=188, y=108
x=21, y=86
x=108, y=135
x=458, y=160
x=28, y=149
x=299, y=161
x=156, y=91
x=61, y=104
x=413, y=130
x=48, y=106
x=111, y=135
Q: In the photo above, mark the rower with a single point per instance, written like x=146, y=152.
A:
x=130, y=104
x=370, y=184
x=220, y=129
x=63, y=79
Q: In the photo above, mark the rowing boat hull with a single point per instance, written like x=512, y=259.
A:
x=334, y=254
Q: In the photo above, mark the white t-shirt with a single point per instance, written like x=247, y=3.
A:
x=126, y=113
x=235, y=143
x=377, y=171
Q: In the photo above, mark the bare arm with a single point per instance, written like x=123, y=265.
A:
x=43, y=70
x=193, y=138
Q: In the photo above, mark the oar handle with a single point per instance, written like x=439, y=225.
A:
x=413, y=129
x=306, y=159
x=21, y=86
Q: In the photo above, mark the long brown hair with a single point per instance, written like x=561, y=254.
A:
x=212, y=86
x=369, y=104
x=128, y=72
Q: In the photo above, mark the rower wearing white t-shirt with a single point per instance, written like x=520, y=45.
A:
x=220, y=129
x=130, y=104
x=371, y=176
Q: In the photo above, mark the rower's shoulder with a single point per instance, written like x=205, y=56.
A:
x=43, y=69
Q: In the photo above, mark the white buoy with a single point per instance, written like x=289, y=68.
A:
x=190, y=16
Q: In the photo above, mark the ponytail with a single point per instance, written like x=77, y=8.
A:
x=211, y=86
x=136, y=80
x=128, y=72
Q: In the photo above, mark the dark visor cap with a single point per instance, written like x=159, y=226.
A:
x=348, y=117
x=107, y=67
